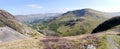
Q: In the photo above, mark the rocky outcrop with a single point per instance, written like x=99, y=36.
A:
x=8, y=34
x=91, y=47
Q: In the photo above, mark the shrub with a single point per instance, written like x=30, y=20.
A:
x=92, y=39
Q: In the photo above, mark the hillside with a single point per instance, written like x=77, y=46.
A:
x=97, y=41
x=12, y=29
x=8, y=34
x=108, y=24
x=73, y=22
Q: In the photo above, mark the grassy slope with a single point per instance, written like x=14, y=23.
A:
x=37, y=44
x=22, y=44
x=1, y=24
x=70, y=24
x=80, y=27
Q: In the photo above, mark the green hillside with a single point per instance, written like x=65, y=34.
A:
x=74, y=22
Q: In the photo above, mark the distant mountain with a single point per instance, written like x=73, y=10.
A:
x=86, y=11
x=75, y=22
x=115, y=14
x=12, y=29
x=36, y=17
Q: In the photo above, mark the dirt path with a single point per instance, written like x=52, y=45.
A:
x=111, y=42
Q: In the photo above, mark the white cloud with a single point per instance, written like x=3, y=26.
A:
x=35, y=6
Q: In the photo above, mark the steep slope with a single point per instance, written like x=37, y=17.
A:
x=8, y=34
x=9, y=20
x=75, y=22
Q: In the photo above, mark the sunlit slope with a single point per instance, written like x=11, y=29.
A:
x=77, y=22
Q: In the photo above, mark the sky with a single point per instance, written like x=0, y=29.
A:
x=18, y=7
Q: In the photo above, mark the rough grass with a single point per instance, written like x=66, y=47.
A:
x=103, y=44
x=1, y=24
x=116, y=39
x=64, y=43
x=22, y=44
x=51, y=43
x=99, y=41
x=57, y=43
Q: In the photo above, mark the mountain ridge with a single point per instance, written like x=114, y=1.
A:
x=74, y=22
x=82, y=12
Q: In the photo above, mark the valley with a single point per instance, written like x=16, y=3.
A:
x=70, y=30
x=71, y=23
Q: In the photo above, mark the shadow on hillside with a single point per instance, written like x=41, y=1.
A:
x=107, y=24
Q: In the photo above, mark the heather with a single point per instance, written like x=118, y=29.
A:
x=52, y=42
